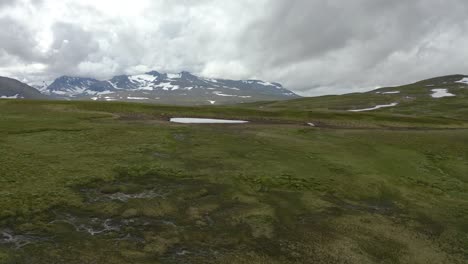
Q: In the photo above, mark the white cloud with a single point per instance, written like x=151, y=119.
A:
x=311, y=46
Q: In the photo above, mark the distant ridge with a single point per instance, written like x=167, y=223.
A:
x=14, y=89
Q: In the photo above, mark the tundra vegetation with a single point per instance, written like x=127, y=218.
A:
x=111, y=182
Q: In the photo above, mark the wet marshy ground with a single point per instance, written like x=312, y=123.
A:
x=177, y=221
x=181, y=220
x=10, y=239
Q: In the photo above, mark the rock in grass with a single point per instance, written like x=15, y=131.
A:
x=160, y=245
x=129, y=213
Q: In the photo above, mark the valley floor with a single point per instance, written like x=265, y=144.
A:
x=93, y=182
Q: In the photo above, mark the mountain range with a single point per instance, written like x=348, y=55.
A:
x=428, y=96
x=180, y=88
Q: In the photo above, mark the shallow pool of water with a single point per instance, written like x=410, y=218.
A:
x=185, y=120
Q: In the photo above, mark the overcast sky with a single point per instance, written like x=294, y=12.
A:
x=310, y=46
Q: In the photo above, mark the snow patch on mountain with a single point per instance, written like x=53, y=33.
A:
x=440, y=93
x=142, y=78
x=144, y=81
x=167, y=87
x=174, y=75
x=210, y=80
x=113, y=85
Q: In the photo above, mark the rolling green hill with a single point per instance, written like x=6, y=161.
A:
x=412, y=99
x=111, y=182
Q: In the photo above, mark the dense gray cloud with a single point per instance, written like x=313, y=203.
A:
x=71, y=46
x=362, y=43
x=311, y=46
x=16, y=40
x=6, y=2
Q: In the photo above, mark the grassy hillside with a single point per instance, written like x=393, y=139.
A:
x=412, y=99
x=96, y=182
x=16, y=89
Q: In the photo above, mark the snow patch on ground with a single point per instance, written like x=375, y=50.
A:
x=218, y=93
x=391, y=92
x=104, y=92
x=107, y=98
x=10, y=97
x=439, y=93
x=374, y=108
x=184, y=120
x=212, y=102
x=137, y=98
x=464, y=80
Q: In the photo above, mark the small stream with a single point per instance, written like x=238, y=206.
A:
x=95, y=226
x=9, y=238
x=93, y=195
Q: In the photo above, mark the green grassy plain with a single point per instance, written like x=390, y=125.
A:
x=93, y=182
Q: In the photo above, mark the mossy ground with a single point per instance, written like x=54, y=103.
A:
x=116, y=183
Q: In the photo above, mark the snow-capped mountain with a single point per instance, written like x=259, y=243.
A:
x=41, y=86
x=180, y=88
